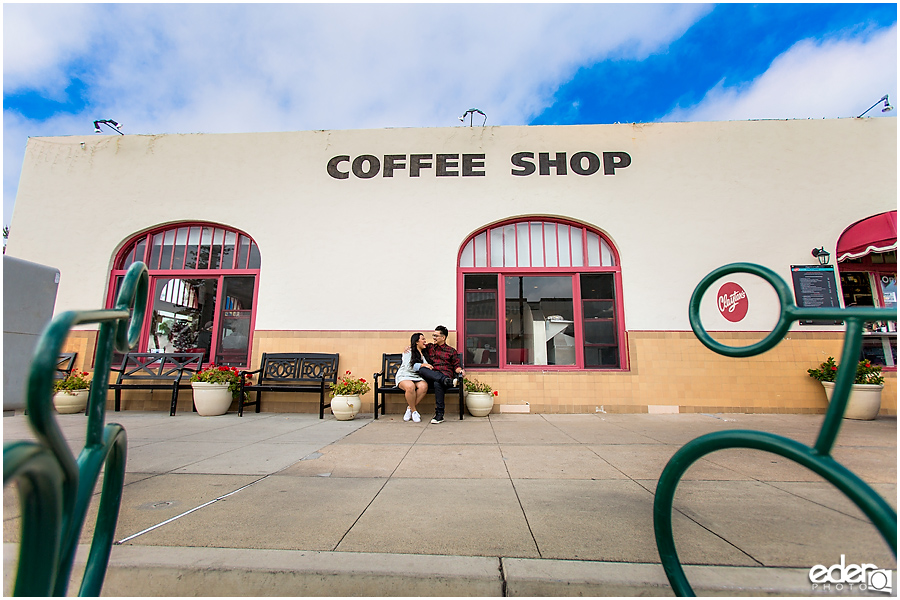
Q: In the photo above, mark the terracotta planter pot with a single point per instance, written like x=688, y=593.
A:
x=211, y=399
x=71, y=402
x=864, y=402
x=344, y=408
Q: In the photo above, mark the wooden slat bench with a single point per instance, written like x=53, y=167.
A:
x=156, y=371
x=291, y=372
x=390, y=363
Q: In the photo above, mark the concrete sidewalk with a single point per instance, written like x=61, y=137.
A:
x=522, y=505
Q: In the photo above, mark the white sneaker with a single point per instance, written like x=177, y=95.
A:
x=407, y=415
x=416, y=417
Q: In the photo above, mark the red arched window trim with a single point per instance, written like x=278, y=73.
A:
x=191, y=251
x=580, y=252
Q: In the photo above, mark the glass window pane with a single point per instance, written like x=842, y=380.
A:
x=254, y=261
x=178, y=249
x=599, y=286
x=593, y=250
x=540, y=321
x=244, y=252
x=577, y=247
x=565, y=259
x=155, y=251
x=190, y=261
x=599, y=309
x=165, y=260
x=233, y=339
x=228, y=250
x=509, y=246
x=524, y=244
x=496, y=247
x=481, y=282
x=481, y=305
x=467, y=257
x=481, y=250
x=129, y=259
x=599, y=332
x=601, y=356
x=551, y=251
x=205, y=243
x=606, y=254
x=216, y=252
x=140, y=250
x=537, y=245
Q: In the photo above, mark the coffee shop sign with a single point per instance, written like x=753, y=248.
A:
x=522, y=164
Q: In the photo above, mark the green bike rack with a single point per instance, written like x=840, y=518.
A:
x=55, y=488
x=816, y=458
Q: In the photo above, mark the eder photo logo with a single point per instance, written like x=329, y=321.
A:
x=864, y=577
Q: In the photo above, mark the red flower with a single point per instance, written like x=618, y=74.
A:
x=224, y=369
x=362, y=380
x=348, y=372
x=834, y=368
x=496, y=393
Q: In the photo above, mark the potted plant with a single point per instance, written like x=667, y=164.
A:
x=345, y=401
x=214, y=388
x=71, y=394
x=865, y=394
x=479, y=397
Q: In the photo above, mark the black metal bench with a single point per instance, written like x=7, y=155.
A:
x=291, y=372
x=64, y=364
x=156, y=371
x=390, y=363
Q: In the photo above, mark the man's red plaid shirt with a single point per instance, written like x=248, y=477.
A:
x=443, y=358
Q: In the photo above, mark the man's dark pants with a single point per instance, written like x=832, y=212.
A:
x=440, y=383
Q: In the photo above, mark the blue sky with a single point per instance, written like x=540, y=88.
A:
x=218, y=68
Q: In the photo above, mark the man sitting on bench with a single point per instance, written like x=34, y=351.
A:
x=445, y=363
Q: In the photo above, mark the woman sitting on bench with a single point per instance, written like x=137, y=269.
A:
x=408, y=378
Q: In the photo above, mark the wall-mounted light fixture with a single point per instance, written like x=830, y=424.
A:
x=822, y=255
x=471, y=113
x=109, y=123
x=887, y=105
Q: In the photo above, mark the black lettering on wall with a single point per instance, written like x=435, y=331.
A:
x=417, y=162
x=559, y=164
x=577, y=162
x=374, y=166
x=470, y=162
x=615, y=160
x=393, y=161
x=525, y=167
x=333, y=169
x=446, y=162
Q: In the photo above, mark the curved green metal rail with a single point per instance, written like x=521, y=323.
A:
x=55, y=488
x=816, y=458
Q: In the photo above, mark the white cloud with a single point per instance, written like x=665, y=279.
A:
x=166, y=68
x=839, y=77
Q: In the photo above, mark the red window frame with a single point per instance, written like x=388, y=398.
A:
x=245, y=262
x=555, y=271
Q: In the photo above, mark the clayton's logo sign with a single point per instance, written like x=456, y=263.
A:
x=732, y=302
x=367, y=166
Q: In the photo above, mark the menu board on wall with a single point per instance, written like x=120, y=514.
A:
x=815, y=287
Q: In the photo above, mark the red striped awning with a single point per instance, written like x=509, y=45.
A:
x=873, y=234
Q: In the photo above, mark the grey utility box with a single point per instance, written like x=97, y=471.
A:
x=29, y=295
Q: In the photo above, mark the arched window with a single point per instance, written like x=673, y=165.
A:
x=203, y=283
x=561, y=288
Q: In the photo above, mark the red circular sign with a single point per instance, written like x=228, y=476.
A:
x=732, y=302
